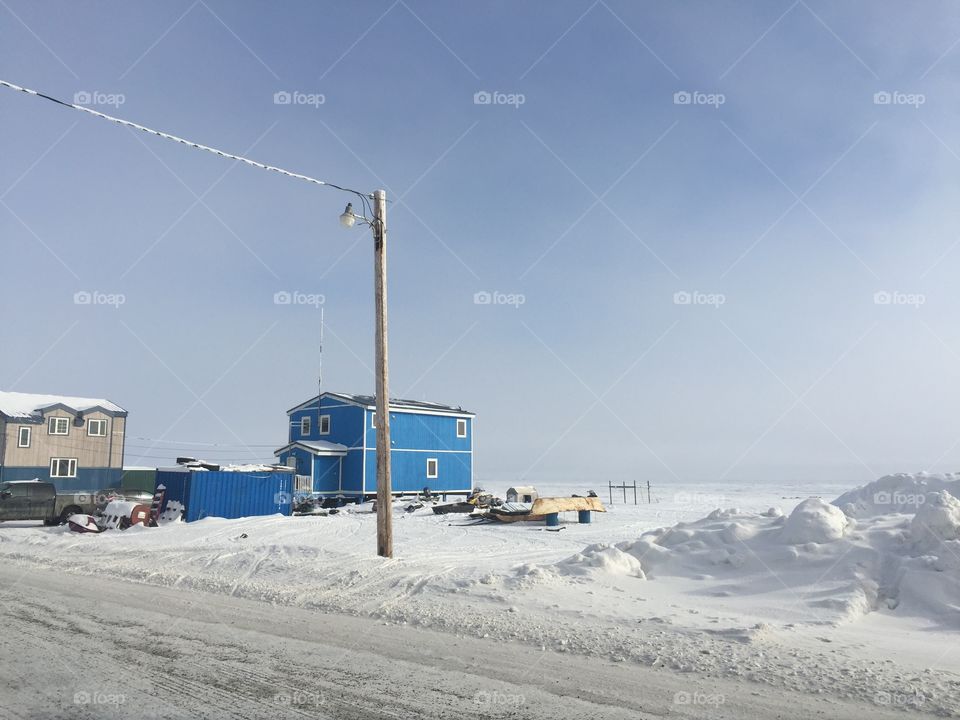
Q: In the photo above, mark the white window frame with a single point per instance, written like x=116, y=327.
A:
x=20, y=442
x=71, y=467
x=100, y=423
x=436, y=468
x=54, y=422
x=305, y=425
x=373, y=420
x=324, y=419
x=461, y=422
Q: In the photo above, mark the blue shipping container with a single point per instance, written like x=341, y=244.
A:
x=228, y=494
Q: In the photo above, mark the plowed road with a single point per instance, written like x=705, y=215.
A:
x=76, y=647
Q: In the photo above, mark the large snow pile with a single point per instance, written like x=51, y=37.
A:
x=937, y=521
x=900, y=493
x=815, y=565
x=814, y=521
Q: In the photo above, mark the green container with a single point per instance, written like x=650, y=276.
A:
x=139, y=480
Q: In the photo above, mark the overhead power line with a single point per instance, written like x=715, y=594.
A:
x=182, y=141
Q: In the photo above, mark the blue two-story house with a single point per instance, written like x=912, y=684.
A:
x=333, y=446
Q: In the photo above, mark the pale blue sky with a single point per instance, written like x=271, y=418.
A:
x=794, y=198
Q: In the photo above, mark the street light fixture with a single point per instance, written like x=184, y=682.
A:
x=384, y=490
x=347, y=218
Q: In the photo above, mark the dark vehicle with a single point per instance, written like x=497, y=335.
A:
x=33, y=500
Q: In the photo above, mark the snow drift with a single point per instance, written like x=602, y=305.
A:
x=818, y=564
x=900, y=493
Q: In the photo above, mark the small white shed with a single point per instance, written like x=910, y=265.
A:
x=522, y=494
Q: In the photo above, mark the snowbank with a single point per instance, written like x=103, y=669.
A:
x=814, y=521
x=816, y=565
x=937, y=521
x=900, y=493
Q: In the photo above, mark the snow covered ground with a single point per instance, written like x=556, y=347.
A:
x=833, y=609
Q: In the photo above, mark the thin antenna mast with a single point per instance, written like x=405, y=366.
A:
x=320, y=370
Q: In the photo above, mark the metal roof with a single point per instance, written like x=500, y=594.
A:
x=316, y=446
x=370, y=402
x=25, y=405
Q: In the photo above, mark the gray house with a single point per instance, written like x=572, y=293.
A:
x=75, y=443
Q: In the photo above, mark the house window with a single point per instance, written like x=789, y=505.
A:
x=23, y=437
x=461, y=428
x=324, y=424
x=63, y=467
x=373, y=420
x=431, y=468
x=59, y=426
x=305, y=425
x=97, y=428
x=292, y=463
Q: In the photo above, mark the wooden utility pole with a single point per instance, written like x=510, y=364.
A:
x=384, y=489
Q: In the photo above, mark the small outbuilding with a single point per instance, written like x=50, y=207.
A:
x=226, y=494
x=522, y=494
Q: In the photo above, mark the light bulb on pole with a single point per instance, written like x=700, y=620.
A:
x=347, y=218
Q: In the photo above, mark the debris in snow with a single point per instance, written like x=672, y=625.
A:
x=172, y=513
x=83, y=524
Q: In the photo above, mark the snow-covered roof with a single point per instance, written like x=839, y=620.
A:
x=24, y=405
x=398, y=404
x=319, y=447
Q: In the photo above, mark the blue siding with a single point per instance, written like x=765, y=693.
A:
x=326, y=474
x=415, y=431
x=408, y=471
x=414, y=437
x=353, y=472
x=346, y=423
x=303, y=459
x=86, y=479
x=228, y=494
